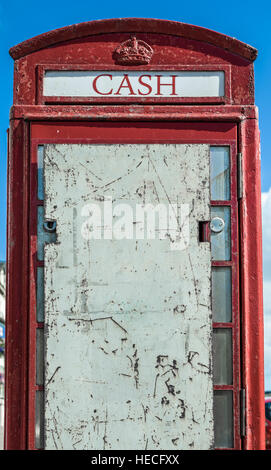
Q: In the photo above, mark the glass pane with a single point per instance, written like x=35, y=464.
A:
x=39, y=356
x=40, y=294
x=222, y=356
x=221, y=294
x=40, y=172
x=223, y=418
x=43, y=235
x=268, y=410
x=220, y=173
x=221, y=233
x=39, y=420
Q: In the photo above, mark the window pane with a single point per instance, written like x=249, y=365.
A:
x=40, y=172
x=39, y=420
x=221, y=233
x=223, y=418
x=222, y=356
x=40, y=294
x=221, y=294
x=39, y=356
x=220, y=173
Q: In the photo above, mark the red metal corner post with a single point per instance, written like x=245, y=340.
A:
x=17, y=290
x=251, y=286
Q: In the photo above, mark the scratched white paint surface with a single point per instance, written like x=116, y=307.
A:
x=128, y=360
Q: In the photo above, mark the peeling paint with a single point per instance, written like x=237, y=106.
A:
x=127, y=322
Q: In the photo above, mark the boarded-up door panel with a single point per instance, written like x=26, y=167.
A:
x=127, y=322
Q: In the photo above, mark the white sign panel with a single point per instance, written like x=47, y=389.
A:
x=130, y=84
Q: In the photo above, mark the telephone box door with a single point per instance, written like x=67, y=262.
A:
x=125, y=270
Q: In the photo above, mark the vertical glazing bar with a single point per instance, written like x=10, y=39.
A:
x=42, y=237
x=222, y=189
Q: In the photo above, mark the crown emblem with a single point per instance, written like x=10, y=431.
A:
x=133, y=52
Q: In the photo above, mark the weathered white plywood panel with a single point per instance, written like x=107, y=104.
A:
x=127, y=322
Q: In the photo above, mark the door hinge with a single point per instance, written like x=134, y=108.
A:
x=239, y=175
x=243, y=412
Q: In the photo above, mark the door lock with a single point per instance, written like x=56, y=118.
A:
x=49, y=226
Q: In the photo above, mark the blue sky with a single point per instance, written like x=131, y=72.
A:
x=249, y=21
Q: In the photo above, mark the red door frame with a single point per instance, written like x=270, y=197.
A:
x=107, y=133
x=19, y=326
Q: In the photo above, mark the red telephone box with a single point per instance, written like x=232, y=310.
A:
x=117, y=337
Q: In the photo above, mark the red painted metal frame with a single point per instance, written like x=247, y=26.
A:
x=134, y=113
x=251, y=285
x=16, y=363
x=41, y=99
